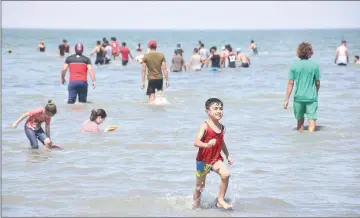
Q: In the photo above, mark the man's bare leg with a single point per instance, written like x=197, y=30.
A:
x=152, y=98
x=312, y=125
x=221, y=169
x=300, y=124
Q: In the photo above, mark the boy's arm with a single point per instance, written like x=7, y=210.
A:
x=21, y=118
x=225, y=150
x=198, y=143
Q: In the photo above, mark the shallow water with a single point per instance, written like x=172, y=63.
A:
x=146, y=167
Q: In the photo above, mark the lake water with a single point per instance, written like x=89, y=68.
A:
x=147, y=166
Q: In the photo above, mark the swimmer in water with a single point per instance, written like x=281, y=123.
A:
x=253, y=47
x=41, y=46
x=245, y=61
x=177, y=62
x=210, y=142
x=115, y=47
x=125, y=53
x=196, y=60
x=104, y=42
x=214, y=58
x=155, y=62
x=63, y=48
x=9, y=51
x=97, y=117
x=356, y=59
x=108, y=52
x=33, y=129
x=342, y=55
x=100, y=53
x=139, y=48
x=179, y=50
x=231, y=58
x=204, y=53
x=305, y=74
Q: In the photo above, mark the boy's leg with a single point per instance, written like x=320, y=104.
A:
x=311, y=113
x=200, y=185
x=299, y=111
x=41, y=135
x=221, y=169
x=31, y=134
x=202, y=169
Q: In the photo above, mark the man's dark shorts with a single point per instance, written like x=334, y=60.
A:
x=125, y=62
x=77, y=88
x=153, y=85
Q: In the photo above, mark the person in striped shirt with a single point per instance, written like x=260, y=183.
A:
x=97, y=117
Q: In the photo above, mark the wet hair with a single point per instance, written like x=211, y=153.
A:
x=104, y=39
x=227, y=46
x=178, y=45
x=304, y=50
x=196, y=50
x=106, y=42
x=98, y=42
x=343, y=41
x=212, y=101
x=51, y=107
x=202, y=45
x=113, y=38
x=200, y=42
x=229, y=49
x=252, y=41
x=213, y=48
x=124, y=43
x=9, y=51
x=64, y=40
x=357, y=56
x=96, y=113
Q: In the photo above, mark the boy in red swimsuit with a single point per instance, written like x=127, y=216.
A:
x=210, y=141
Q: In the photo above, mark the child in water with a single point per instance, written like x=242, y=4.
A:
x=210, y=141
x=33, y=129
x=97, y=117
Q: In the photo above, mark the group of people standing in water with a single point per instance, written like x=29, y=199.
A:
x=304, y=74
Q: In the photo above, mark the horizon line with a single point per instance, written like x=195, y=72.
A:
x=180, y=29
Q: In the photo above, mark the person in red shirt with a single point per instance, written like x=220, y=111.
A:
x=210, y=141
x=125, y=52
x=115, y=47
x=33, y=129
x=79, y=66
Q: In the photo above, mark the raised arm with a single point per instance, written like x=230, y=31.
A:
x=21, y=118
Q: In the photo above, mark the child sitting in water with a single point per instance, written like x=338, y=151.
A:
x=97, y=117
x=33, y=129
x=210, y=141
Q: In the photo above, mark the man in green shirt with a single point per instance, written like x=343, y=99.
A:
x=305, y=74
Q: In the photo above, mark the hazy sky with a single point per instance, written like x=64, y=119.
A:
x=181, y=15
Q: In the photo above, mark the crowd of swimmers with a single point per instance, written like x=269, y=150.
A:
x=210, y=137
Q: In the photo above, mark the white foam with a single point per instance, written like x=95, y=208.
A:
x=161, y=101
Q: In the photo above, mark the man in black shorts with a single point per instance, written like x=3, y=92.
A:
x=156, y=64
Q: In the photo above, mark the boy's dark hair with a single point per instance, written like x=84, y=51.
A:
x=213, y=48
x=252, y=41
x=304, y=50
x=124, y=44
x=196, y=50
x=51, y=107
x=98, y=42
x=202, y=45
x=357, y=56
x=212, y=101
x=96, y=113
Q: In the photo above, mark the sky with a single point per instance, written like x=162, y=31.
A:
x=181, y=14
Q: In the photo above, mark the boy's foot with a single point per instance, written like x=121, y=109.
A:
x=223, y=204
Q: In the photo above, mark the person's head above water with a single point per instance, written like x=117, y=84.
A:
x=42, y=42
x=98, y=116
x=213, y=49
x=195, y=50
x=79, y=49
x=152, y=44
x=178, y=45
x=50, y=109
x=104, y=39
x=356, y=58
x=214, y=108
x=252, y=41
x=304, y=50
x=124, y=44
x=343, y=42
x=98, y=42
x=113, y=38
x=202, y=45
x=64, y=41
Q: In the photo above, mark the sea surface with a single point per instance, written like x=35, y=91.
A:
x=147, y=166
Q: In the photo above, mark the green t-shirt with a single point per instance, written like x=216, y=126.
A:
x=305, y=73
